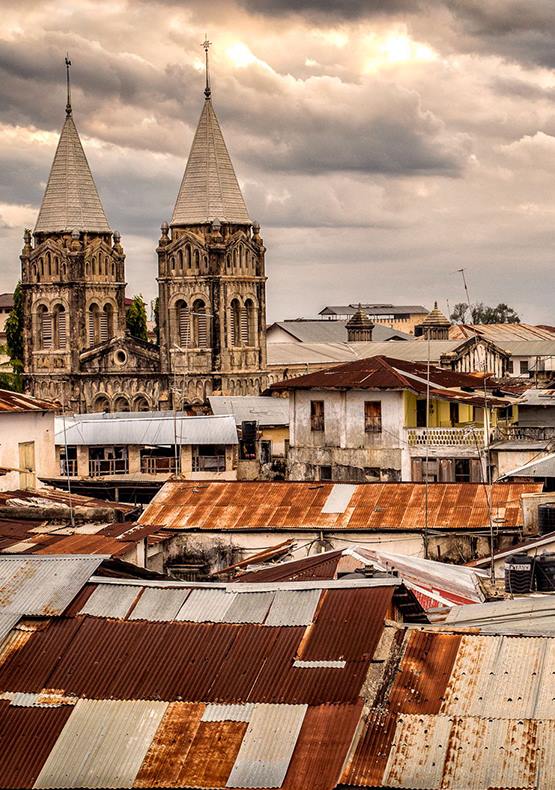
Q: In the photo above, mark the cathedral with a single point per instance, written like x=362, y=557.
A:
x=211, y=288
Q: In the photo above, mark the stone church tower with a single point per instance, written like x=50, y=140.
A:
x=212, y=303
x=73, y=281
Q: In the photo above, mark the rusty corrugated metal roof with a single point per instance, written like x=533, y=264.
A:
x=373, y=506
x=16, y=402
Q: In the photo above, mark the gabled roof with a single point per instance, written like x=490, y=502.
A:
x=499, y=332
x=266, y=411
x=71, y=200
x=326, y=331
x=209, y=189
x=374, y=309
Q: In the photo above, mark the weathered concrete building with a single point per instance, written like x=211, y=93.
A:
x=211, y=290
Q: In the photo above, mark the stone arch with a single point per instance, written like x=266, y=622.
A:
x=141, y=402
x=101, y=403
x=201, y=338
x=181, y=323
x=44, y=327
x=59, y=325
x=248, y=323
x=235, y=310
x=121, y=403
x=93, y=323
x=106, y=322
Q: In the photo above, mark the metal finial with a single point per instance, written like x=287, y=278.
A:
x=206, y=44
x=68, y=104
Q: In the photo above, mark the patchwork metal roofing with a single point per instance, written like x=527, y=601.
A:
x=459, y=711
x=266, y=411
x=15, y=402
x=222, y=507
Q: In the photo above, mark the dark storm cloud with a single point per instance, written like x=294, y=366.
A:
x=338, y=9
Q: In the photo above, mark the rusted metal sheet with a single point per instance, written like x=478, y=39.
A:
x=292, y=607
x=27, y=735
x=158, y=603
x=321, y=566
x=213, y=754
x=418, y=752
x=169, y=749
x=424, y=672
x=111, y=600
x=267, y=746
x=103, y=744
x=368, y=761
x=321, y=748
x=17, y=402
x=277, y=505
x=42, y=586
x=249, y=607
x=348, y=625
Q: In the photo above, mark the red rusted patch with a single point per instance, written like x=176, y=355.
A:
x=424, y=672
x=212, y=754
x=367, y=765
x=321, y=566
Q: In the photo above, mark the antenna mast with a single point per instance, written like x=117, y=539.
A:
x=206, y=44
x=68, y=85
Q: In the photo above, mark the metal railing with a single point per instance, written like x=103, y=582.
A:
x=516, y=432
x=152, y=465
x=107, y=466
x=68, y=467
x=209, y=463
x=445, y=437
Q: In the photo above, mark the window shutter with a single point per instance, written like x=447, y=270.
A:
x=184, y=325
x=91, y=328
x=46, y=330
x=103, y=327
x=244, y=326
x=202, y=330
x=62, y=336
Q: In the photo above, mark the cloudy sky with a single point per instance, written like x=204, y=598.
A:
x=382, y=144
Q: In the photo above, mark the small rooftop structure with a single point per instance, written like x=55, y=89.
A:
x=435, y=326
x=266, y=411
x=305, y=330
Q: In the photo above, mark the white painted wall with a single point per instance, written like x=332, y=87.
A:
x=37, y=427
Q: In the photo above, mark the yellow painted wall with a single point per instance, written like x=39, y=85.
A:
x=409, y=400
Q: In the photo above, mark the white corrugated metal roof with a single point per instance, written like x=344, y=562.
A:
x=159, y=429
x=206, y=606
x=102, y=744
x=42, y=586
x=220, y=712
x=159, y=603
x=529, y=615
x=267, y=747
x=324, y=353
x=107, y=601
x=293, y=607
x=266, y=411
x=249, y=608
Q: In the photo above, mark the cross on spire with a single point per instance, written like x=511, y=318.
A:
x=206, y=44
x=68, y=83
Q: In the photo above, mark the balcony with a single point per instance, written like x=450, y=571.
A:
x=470, y=437
x=209, y=463
x=68, y=467
x=152, y=465
x=98, y=467
x=524, y=433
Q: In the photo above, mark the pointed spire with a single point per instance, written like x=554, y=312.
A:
x=436, y=318
x=71, y=200
x=209, y=189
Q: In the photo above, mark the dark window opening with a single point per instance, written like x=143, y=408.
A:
x=372, y=416
x=325, y=473
x=462, y=470
x=317, y=415
x=453, y=413
x=420, y=413
x=208, y=458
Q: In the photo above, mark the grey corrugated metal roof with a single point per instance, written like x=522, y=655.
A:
x=538, y=397
x=541, y=467
x=323, y=353
x=159, y=603
x=108, y=601
x=42, y=586
x=237, y=712
x=158, y=429
x=206, y=606
x=267, y=747
x=103, y=744
x=293, y=607
x=528, y=348
x=249, y=608
x=326, y=331
x=71, y=200
x=529, y=615
x=266, y=411
x=209, y=189
x=374, y=309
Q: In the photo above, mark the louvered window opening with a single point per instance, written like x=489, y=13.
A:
x=104, y=327
x=92, y=328
x=235, y=324
x=184, y=324
x=62, y=333
x=245, y=327
x=46, y=330
x=201, y=325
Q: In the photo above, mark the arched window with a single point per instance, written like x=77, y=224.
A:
x=94, y=324
x=44, y=327
x=141, y=403
x=59, y=326
x=48, y=264
x=180, y=262
x=187, y=256
x=101, y=403
x=94, y=271
x=106, y=323
x=200, y=324
x=248, y=328
x=121, y=404
x=197, y=259
x=182, y=323
x=41, y=267
x=56, y=266
x=235, y=322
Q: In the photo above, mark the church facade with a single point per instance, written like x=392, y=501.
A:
x=211, y=287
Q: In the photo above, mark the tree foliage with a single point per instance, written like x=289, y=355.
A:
x=484, y=314
x=14, y=331
x=136, y=318
x=157, y=320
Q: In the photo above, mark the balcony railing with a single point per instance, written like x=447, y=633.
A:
x=524, y=432
x=445, y=437
x=107, y=466
x=151, y=465
x=209, y=463
x=68, y=468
